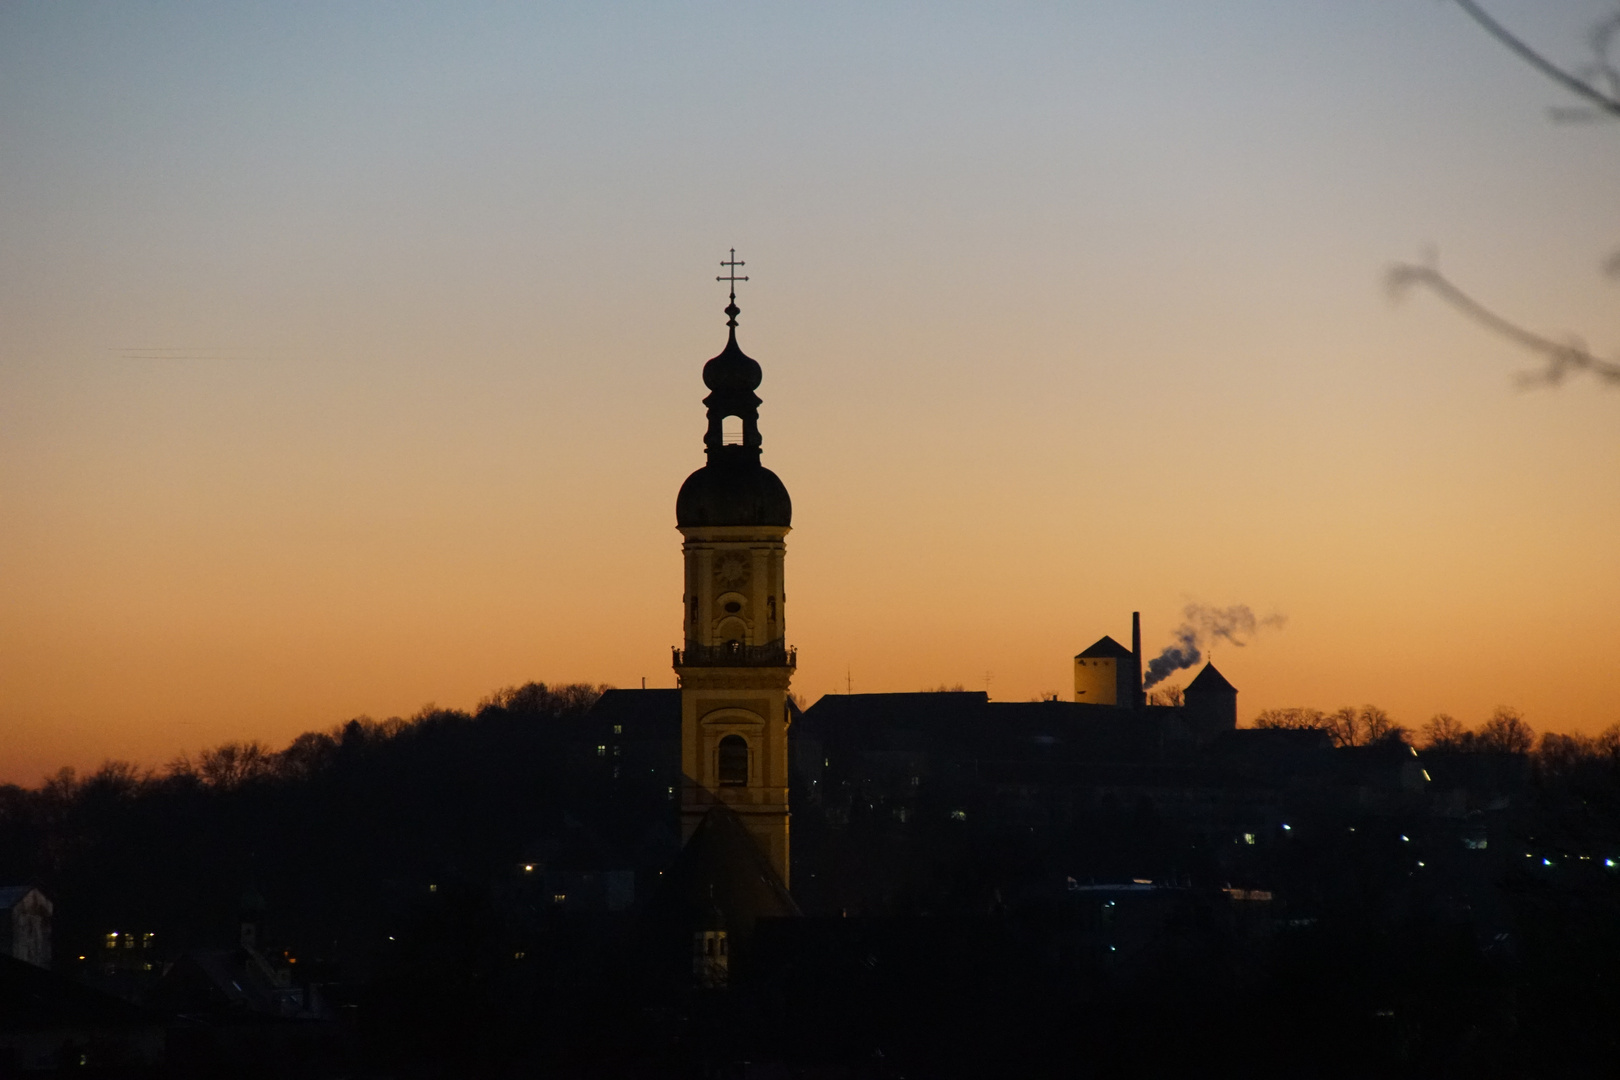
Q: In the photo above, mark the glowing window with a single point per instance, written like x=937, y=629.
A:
x=733, y=761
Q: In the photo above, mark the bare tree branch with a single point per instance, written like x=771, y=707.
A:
x=1569, y=81
x=1560, y=358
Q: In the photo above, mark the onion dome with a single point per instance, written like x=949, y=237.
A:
x=733, y=488
x=733, y=375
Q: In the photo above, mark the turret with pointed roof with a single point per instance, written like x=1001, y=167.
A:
x=1211, y=701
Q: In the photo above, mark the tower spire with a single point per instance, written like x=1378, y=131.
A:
x=734, y=667
x=732, y=310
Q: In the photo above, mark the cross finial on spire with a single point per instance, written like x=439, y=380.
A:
x=732, y=310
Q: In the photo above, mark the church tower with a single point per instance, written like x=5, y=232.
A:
x=734, y=668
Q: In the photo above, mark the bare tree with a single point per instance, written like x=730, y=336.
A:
x=1559, y=359
x=1363, y=727
x=1443, y=732
x=233, y=764
x=119, y=779
x=1377, y=726
x=1295, y=719
x=1597, y=84
x=1172, y=695
x=1346, y=727
x=1506, y=733
x=1608, y=744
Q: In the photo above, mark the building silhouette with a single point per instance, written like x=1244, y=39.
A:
x=743, y=745
x=735, y=666
x=25, y=924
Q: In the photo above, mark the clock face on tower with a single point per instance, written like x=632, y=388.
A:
x=731, y=569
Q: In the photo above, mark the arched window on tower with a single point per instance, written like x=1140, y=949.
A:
x=733, y=761
x=731, y=431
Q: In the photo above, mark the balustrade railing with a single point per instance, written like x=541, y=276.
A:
x=736, y=654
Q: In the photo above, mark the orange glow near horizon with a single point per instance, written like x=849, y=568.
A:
x=364, y=376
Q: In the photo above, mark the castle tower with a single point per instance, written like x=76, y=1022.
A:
x=1105, y=674
x=1212, y=701
x=735, y=665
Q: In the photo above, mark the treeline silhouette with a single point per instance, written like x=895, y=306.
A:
x=388, y=855
x=1505, y=732
x=324, y=842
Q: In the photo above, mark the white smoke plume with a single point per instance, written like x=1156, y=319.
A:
x=1201, y=627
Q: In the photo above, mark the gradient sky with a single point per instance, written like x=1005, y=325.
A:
x=349, y=354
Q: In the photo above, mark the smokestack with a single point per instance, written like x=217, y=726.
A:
x=1138, y=696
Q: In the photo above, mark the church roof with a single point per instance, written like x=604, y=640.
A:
x=733, y=372
x=721, y=869
x=1209, y=679
x=1105, y=648
x=733, y=489
x=12, y=895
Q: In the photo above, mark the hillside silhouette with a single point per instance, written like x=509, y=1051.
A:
x=326, y=841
